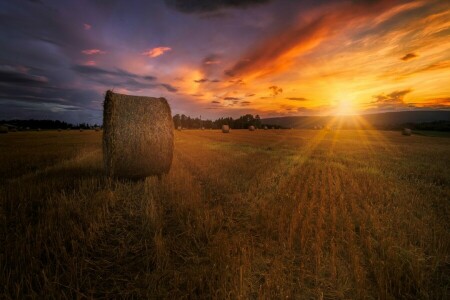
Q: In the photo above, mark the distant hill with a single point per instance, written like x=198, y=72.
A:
x=389, y=120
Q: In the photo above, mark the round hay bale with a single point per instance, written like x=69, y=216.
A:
x=251, y=128
x=4, y=129
x=203, y=128
x=406, y=131
x=38, y=129
x=265, y=127
x=179, y=128
x=137, y=136
x=225, y=129
x=81, y=130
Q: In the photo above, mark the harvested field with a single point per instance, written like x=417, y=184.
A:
x=266, y=214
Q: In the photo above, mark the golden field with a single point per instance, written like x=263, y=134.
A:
x=303, y=214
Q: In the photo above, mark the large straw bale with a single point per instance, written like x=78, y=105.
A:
x=251, y=128
x=225, y=129
x=406, y=131
x=137, y=136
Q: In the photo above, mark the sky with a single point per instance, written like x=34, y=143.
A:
x=224, y=58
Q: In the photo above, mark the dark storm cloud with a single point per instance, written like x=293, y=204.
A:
x=202, y=6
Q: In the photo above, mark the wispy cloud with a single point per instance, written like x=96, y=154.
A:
x=155, y=52
x=409, y=56
x=297, y=98
x=93, y=51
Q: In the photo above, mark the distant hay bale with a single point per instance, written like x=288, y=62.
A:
x=68, y=129
x=81, y=130
x=179, y=128
x=265, y=127
x=3, y=129
x=406, y=131
x=137, y=136
x=272, y=127
x=97, y=128
x=203, y=128
x=225, y=129
x=251, y=128
x=38, y=129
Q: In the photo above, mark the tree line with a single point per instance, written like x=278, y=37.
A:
x=243, y=122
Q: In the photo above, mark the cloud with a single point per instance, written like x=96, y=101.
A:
x=435, y=103
x=277, y=52
x=392, y=98
x=250, y=95
x=121, y=78
x=155, y=52
x=409, y=56
x=169, y=87
x=275, y=90
x=92, y=51
x=215, y=102
x=203, y=80
x=20, y=75
x=297, y=98
x=34, y=99
x=90, y=63
x=212, y=59
x=87, y=26
x=202, y=6
x=231, y=98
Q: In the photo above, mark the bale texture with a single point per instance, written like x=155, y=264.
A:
x=3, y=129
x=251, y=128
x=137, y=136
x=225, y=129
x=406, y=131
x=265, y=127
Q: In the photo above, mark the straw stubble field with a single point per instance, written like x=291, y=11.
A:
x=265, y=214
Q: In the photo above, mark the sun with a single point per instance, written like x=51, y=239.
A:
x=345, y=108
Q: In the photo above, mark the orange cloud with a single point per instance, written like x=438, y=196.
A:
x=277, y=53
x=92, y=51
x=155, y=52
x=409, y=56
